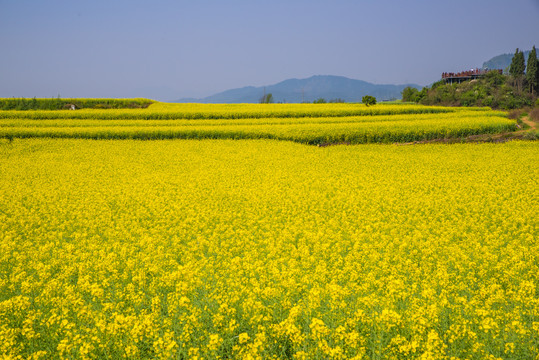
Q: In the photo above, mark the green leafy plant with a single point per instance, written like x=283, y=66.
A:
x=368, y=100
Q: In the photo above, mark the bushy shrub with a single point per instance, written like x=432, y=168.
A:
x=409, y=94
x=368, y=100
x=531, y=135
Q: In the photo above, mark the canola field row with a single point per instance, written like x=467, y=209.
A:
x=261, y=249
x=305, y=123
x=167, y=111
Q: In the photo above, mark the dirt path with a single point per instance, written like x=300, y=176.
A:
x=530, y=123
x=496, y=138
x=481, y=138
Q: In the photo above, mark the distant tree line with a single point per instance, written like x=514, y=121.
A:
x=517, y=89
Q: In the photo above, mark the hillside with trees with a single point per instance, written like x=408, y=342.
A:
x=502, y=61
x=517, y=89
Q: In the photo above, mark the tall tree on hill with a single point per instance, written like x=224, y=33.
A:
x=517, y=68
x=517, y=64
x=532, y=74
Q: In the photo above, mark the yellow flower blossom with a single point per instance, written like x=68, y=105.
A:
x=266, y=249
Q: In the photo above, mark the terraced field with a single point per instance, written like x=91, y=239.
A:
x=305, y=123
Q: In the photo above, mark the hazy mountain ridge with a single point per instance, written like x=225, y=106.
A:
x=298, y=90
x=328, y=87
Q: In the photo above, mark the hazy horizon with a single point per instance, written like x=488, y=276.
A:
x=168, y=50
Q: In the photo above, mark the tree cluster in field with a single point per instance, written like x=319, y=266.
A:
x=517, y=89
x=71, y=104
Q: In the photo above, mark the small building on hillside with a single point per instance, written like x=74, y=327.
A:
x=451, y=78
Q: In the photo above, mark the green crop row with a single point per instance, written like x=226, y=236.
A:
x=67, y=104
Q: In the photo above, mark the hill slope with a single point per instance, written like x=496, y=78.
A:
x=503, y=61
x=494, y=90
x=298, y=90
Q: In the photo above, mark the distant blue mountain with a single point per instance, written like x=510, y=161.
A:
x=297, y=90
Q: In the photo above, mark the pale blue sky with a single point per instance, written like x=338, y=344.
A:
x=171, y=49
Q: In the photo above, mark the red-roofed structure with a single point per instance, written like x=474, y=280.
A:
x=466, y=75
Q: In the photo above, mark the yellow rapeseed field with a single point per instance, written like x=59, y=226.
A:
x=259, y=249
x=165, y=111
x=304, y=123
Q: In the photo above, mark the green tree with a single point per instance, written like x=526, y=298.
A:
x=532, y=75
x=368, y=100
x=494, y=78
x=409, y=94
x=517, y=68
x=320, y=101
x=266, y=99
x=422, y=94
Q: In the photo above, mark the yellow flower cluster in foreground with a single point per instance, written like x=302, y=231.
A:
x=263, y=249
